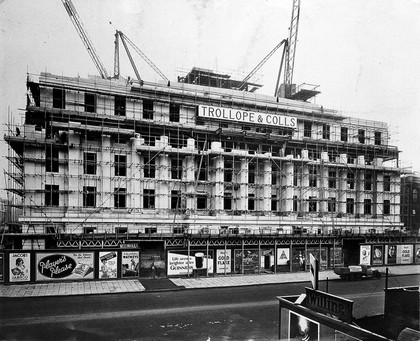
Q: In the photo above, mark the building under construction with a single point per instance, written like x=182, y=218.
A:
x=199, y=174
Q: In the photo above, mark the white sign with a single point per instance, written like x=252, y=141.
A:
x=404, y=254
x=20, y=267
x=237, y=115
x=223, y=261
x=283, y=256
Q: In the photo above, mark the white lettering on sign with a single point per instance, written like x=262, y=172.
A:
x=243, y=116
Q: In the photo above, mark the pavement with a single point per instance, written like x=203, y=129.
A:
x=182, y=283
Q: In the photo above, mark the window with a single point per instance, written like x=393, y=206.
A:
x=326, y=131
x=350, y=180
x=90, y=102
x=59, y=98
x=350, y=206
x=368, y=181
x=332, y=181
x=228, y=171
x=344, y=134
x=251, y=202
x=201, y=201
x=312, y=204
x=227, y=201
x=297, y=176
x=119, y=198
x=89, y=229
x=149, y=167
x=251, y=174
x=361, y=136
x=175, y=200
x=312, y=177
x=387, y=207
x=378, y=138
x=387, y=183
x=51, y=160
x=274, y=203
x=52, y=196
x=119, y=109
x=120, y=165
x=367, y=206
x=295, y=203
x=89, y=196
x=331, y=204
x=202, y=170
x=174, y=112
x=148, y=109
x=89, y=163
x=176, y=168
x=307, y=129
x=149, y=198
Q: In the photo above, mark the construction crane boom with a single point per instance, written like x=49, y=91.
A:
x=260, y=64
x=71, y=10
x=126, y=40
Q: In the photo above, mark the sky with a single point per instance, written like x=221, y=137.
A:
x=363, y=54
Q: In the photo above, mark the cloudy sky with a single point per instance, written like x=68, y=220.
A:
x=363, y=54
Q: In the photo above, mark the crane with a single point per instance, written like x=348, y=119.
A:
x=125, y=40
x=290, y=52
x=71, y=10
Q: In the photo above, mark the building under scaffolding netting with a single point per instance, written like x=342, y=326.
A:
x=197, y=164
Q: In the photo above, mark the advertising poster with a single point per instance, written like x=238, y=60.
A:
x=283, y=256
x=108, y=264
x=391, y=254
x=248, y=261
x=377, y=256
x=417, y=254
x=336, y=256
x=322, y=257
x=365, y=254
x=302, y=328
x=179, y=263
x=404, y=254
x=130, y=263
x=1, y=267
x=223, y=261
x=298, y=259
x=64, y=266
x=20, y=267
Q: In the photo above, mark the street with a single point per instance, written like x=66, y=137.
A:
x=239, y=313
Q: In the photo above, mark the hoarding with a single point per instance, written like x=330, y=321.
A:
x=365, y=254
x=108, y=264
x=302, y=328
x=377, y=257
x=247, y=261
x=130, y=263
x=404, y=254
x=223, y=261
x=283, y=256
x=20, y=267
x=64, y=266
x=242, y=116
x=180, y=263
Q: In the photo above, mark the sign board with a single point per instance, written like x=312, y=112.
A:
x=242, y=116
x=314, y=271
x=329, y=304
x=365, y=254
x=20, y=267
x=223, y=261
x=404, y=254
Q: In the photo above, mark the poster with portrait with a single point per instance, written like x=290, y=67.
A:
x=108, y=264
x=302, y=328
x=365, y=254
x=130, y=263
x=20, y=267
x=404, y=254
x=377, y=255
x=391, y=254
x=54, y=266
x=417, y=254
